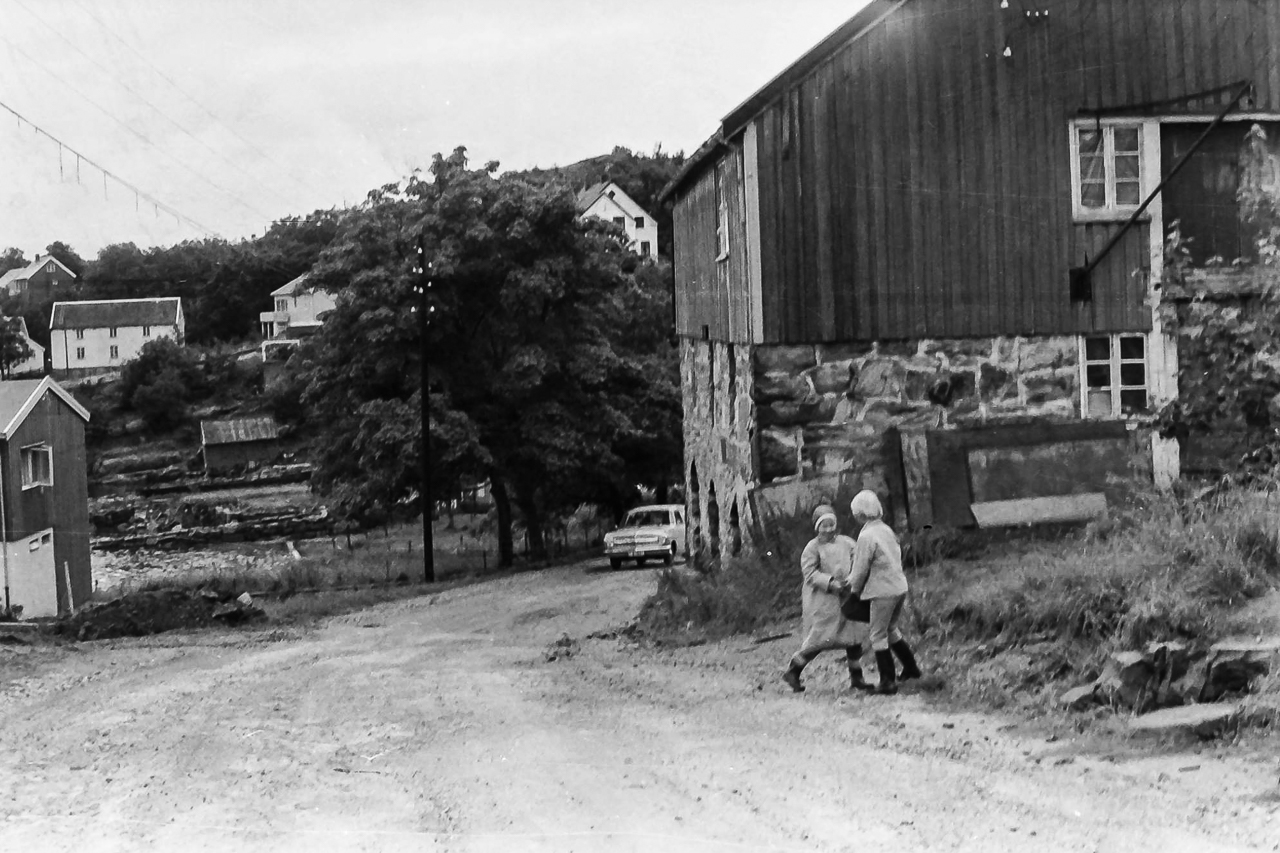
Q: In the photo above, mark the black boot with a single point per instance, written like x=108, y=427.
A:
x=792, y=675
x=909, y=668
x=856, y=681
x=888, y=681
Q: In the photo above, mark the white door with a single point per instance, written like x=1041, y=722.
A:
x=33, y=579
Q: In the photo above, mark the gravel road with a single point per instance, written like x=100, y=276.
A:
x=455, y=722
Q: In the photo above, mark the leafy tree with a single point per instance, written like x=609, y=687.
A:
x=13, y=345
x=12, y=259
x=532, y=383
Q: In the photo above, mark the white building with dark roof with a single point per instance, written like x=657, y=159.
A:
x=298, y=310
x=607, y=201
x=108, y=332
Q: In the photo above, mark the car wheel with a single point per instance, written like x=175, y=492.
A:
x=615, y=563
x=670, y=556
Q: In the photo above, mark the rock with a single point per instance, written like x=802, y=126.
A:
x=773, y=387
x=779, y=454
x=1234, y=665
x=1127, y=680
x=786, y=359
x=880, y=378
x=833, y=378
x=1205, y=721
x=1079, y=698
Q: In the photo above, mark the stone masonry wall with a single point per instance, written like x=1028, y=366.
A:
x=719, y=444
x=823, y=409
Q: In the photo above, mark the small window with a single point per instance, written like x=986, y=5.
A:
x=53, y=282
x=46, y=539
x=1107, y=169
x=644, y=248
x=620, y=221
x=79, y=334
x=37, y=466
x=80, y=353
x=115, y=352
x=282, y=304
x=146, y=331
x=639, y=221
x=50, y=268
x=33, y=544
x=1115, y=375
x=113, y=331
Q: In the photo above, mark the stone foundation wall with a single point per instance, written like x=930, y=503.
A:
x=823, y=409
x=719, y=444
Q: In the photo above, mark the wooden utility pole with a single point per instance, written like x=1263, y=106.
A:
x=423, y=270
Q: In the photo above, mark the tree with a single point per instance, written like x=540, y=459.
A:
x=67, y=257
x=532, y=384
x=12, y=259
x=13, y=345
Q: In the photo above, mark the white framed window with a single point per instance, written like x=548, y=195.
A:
x=1115, y=376
x=146, y=331
x=79, y=334
x=639, y=221
x=80, y=353
x=113, y=331
x=37, y=466
x=50, y=268
x=115, y=352
x=644, y=248
x=1106, y=169
x=282, y=304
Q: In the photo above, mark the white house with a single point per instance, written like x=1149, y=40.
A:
x=606, y=200
x=108, y=332
x=299, y=310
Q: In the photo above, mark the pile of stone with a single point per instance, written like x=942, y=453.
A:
x=155, y=611
x=1170, y=684
x=248, y=526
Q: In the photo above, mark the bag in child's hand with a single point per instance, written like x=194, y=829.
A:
x=856, y=609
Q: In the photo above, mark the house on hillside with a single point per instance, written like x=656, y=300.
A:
x=239, y=443
x=39, y=281
x=298, y=313
x=32, y=365
x=104, y=333
x=606, y=200
x=44, y=498
x=925, y=258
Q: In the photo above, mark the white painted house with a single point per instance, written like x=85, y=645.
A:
x=298, y=310
x=607, y=201
x=108, y=332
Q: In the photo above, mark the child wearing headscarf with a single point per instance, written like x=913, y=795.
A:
x=878, y=577
x=825, y=564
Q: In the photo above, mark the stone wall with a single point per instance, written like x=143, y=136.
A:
x=719, y=444
x=823, y=409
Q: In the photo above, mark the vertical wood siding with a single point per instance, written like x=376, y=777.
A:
x=917, y=182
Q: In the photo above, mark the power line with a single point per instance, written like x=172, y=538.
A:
x=106, y=173
x=135, y=132
x=283, y=169
x=143, y=98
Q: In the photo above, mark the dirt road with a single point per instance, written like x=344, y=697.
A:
x=439, y=723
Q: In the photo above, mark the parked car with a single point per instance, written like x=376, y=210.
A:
x=654, y=532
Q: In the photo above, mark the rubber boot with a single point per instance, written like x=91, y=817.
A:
x=856, y=681
x=792, y=675
x=909, y=668
x=888, y=681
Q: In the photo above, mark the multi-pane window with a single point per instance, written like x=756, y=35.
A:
x=1108, y=168
x=37, y=466
x=620, y=221
x=644, y=248
x=282, y=304
x=113, y=331
x=1115, y=375
x=80, y=353
x=79, y=334
x=146, y=331
x=115, y=352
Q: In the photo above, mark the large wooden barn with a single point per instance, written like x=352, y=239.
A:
x=926, y=257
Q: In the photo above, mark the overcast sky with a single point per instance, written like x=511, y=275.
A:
x=238, y=112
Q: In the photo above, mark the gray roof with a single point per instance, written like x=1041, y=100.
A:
x=239, y=430
x=19, y=396
x=293, y=287
x=107, y=313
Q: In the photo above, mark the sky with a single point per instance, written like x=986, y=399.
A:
x=215, y=118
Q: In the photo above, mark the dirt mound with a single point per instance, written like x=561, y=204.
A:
x=156, y=611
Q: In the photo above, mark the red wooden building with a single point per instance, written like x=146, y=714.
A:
x=926, y=255
x=44, y=498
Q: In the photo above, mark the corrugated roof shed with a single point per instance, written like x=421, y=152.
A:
x=238, y=431
x=106, y=313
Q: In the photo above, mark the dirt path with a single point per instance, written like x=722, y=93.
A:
x=440, y=724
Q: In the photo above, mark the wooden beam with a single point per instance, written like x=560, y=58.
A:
x=1040, y=510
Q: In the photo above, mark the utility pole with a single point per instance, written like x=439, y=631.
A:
x=423, y=270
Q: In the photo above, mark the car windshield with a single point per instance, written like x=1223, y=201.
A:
x=646, y=518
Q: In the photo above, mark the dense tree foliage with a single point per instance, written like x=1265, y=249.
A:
x=13, y=346
x=12, y=259
x=549, y=370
